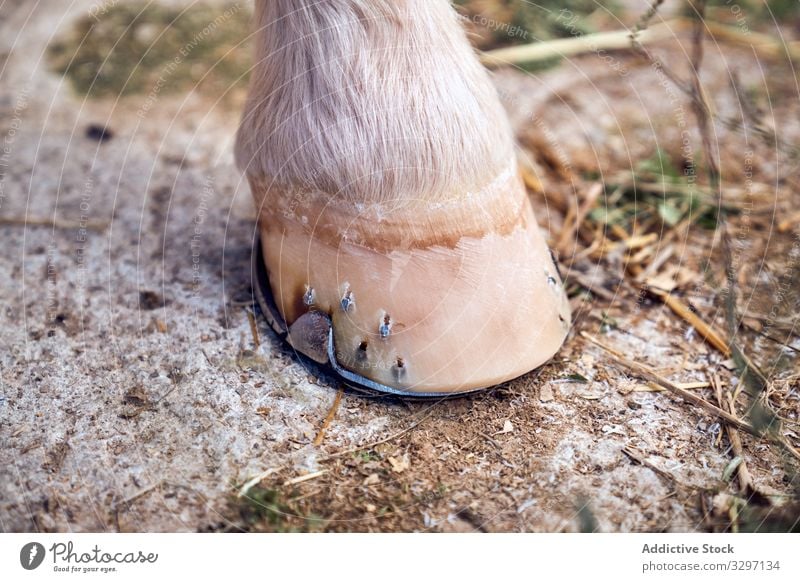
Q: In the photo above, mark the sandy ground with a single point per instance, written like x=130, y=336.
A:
x=136, y=397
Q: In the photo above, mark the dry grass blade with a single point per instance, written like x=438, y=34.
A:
x=649, y=374
x=745, y=481
x=391, y=437
x=684, y=312
x=304, y=478
x=140, y=494
x=254, y=481
x=764, y=44
x=531, y=180
x=567, y=47
x=637, y=458
x=572, y=226
x=55, y=224
x=653, y=387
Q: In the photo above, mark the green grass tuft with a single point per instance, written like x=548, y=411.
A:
x=140, y=48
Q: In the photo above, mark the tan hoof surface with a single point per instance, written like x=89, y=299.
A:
x=424, y=298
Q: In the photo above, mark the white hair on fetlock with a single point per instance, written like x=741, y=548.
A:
x=371, y=101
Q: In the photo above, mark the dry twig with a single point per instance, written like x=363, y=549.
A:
x=253, y=327
x=636, y=457
x=329, y=418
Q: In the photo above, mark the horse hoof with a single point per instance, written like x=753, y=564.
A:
x=417, y=298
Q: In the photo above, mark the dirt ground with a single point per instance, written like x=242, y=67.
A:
x=137, y=395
